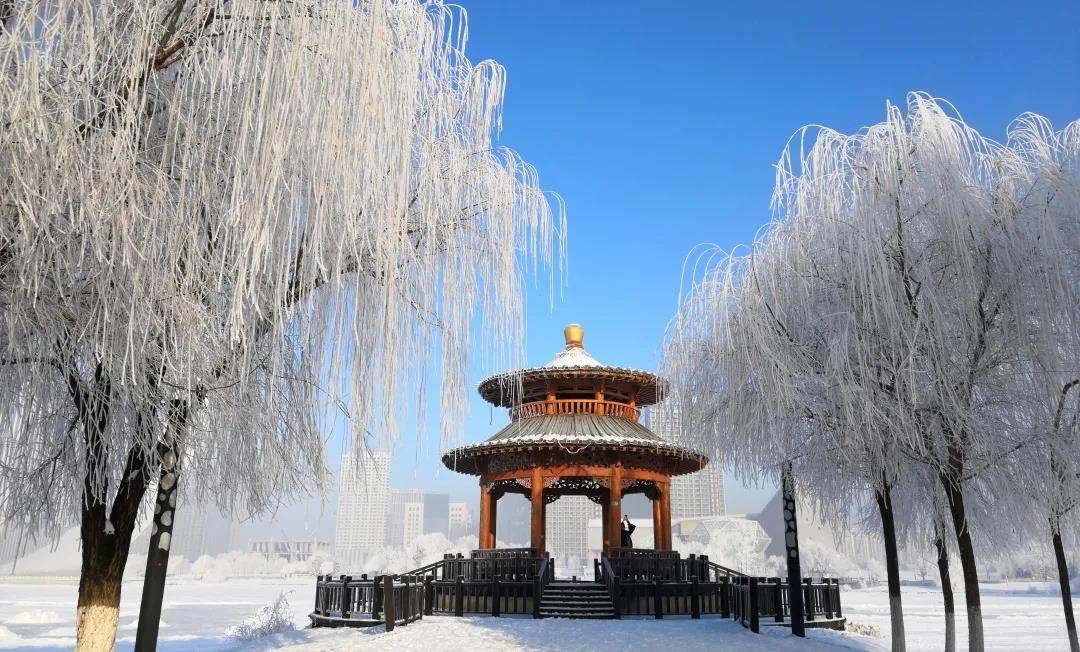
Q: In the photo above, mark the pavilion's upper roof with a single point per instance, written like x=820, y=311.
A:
x=572, y=363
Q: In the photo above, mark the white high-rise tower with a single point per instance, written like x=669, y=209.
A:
x=568, y=529
x=694, y=494
x=363, y=500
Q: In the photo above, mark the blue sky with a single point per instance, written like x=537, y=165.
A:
x=659, y=124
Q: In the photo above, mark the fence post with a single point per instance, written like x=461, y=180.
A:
x=459, y=596
x=346, y=596
x=596, y=570
x=658, y=604
x=389, y=608
x=376, y=597
x=318, y=595
x=536, y=597
x=838, y=611
x=808, y=600
x=495, y=595
x=616, y=599
x=725, y=596
x=695, y=605
x=779, y=599
x=755, y=626
x=429, y=595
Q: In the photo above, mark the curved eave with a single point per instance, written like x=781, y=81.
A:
x=497, y=389
x=465, y=459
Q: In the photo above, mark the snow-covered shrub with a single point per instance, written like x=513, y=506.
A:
x=236, y=563
x=866, y=630
x=274, y=618
x=422, y=550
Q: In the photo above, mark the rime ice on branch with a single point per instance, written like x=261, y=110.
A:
x=909, y=316
x=243, y=213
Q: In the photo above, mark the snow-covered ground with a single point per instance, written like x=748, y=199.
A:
x=39, y=616
x=1016, y=616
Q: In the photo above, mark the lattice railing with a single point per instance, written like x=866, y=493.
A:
x=576, y=406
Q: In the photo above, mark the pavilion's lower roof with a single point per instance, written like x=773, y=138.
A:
x=569, y=432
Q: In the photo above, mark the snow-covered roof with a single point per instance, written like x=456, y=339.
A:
x=571, y=432
x=571, y=362
x=572, y=356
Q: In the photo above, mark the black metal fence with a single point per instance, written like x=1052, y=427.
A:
x=492, y=584
x=639, y=583
x=648, y=583
x=758, y=598
x=362, y=602
x=666, y=566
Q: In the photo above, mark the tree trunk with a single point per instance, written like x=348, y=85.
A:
x=946, y=587
x=1066, y=590
x=791, y=545
x=955, y=496
x=99, y=587
x=105, y=545
x=892, y=567
x=157, y=557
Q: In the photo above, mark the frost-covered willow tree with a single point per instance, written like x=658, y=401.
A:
x=908, y=314
x=218, y=218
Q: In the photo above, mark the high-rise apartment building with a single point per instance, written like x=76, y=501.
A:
x=412, y=522
x=395, y=518
x=461, y=523
x=363, y=499
x=695, y=494
x=414, y=512
x=698, y=494
x=567, y=529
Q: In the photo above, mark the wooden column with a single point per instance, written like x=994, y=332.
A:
x=537, y=524
x=665, y=515
x=495, y=519
x=657, y=519
x=615, y=508
x=605, y=523
x=487, y=517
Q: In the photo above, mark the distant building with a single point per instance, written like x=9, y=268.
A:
x=289, y=550
x=414, y=512
x=395, y=518
x=437, y=514
x=363, y=500
x=567, y=533
x=202, y=531
x=461, y=523
x=698, y=494
x=694, y=494
x=413, y=517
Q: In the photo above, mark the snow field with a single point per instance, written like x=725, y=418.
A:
x=40, y=617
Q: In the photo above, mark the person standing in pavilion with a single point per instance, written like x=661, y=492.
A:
x=627, y=530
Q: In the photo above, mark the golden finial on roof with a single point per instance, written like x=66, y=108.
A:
x=574, y=335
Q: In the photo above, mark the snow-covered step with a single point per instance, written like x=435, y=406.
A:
x=576, y=600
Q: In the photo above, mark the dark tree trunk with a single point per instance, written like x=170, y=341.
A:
x=105, y=535
x=966, y=549
x=105, y=545
x=892, y=567
x=791, y=545
x=946, y=587
x=1066, y=590
x=157, y=557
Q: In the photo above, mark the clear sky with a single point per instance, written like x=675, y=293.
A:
x=659, y=124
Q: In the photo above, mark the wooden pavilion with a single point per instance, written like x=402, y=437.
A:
x=575, y=430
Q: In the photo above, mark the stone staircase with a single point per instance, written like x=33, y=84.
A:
x=576, y=600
